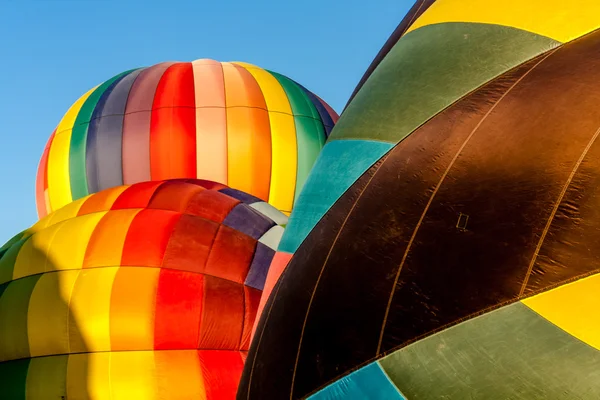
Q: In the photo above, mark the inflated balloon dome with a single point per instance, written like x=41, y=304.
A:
x=143, y=291
x=445, y=245
x=234, y=123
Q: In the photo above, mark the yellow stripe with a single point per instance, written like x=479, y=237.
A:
x=48, y=314
x=59, y=247
x=90, y=310
x=88, y=376
x=284, y=159
x=59, y=186
x=557, y=19
x=573, y=308
x=133, y=375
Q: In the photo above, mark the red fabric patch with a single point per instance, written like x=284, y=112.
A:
x=178, y=310
x=211, y=205
x=190, y=244
x=222, y=314
x=222, y=371
x=136, y=196
x=252, y=299
x=174, y=196
x=231, y=255
x=148, y=237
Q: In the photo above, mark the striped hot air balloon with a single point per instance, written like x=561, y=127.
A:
x=147, y=291
x=445, y=245
x=233, y=123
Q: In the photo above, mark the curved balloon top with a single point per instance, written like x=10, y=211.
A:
x=234, y=123
x=134, y=292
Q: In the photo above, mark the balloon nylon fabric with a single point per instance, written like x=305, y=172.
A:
x=490, y=202
x=142, y=291
x=234, y=123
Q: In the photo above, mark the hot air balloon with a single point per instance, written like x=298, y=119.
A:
x=143, y=291
x=234, y=123
x=445, y=243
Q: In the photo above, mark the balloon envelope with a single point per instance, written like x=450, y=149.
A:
x=234, y=123
x=142, y=291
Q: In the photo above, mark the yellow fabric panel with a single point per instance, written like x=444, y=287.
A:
x=557, y=19
x=59, y=247
x=132, y=308
x=67, y=212
x=105, y=248
x=59, y=184
x=133, y=375
x=48, y=315
x=88, y=376
x=33, y=256
x=179, y=373
x=89, y=319
x=573, y=308
x=46, y=378
x=284, y=161
x=13, y=319
x=272, y=91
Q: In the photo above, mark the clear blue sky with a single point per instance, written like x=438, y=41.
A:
x=52, y=51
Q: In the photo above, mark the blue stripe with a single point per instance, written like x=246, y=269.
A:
x=369, y=382
x=339, y=165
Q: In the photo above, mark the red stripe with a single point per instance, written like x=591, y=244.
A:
x=190, y=244
x=136, y=196
x=222, y=314
x=222, y=371
x=211, y=205
x=174, y=196
x=252, y=299
x=178, y=310
x=148, y=237
x=173, y=125
x=231, y=255
x=41, y=181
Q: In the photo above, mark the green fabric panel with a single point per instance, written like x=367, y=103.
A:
x=510, y=353
x=13, y=378
x=12, y=241
x=8, y=260
x=14, y=305
x=429, y=69
x=299, y=101
x=310, y=136
x=47, y=377
x=77, y=149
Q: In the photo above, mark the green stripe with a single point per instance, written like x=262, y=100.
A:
x=47, y=377
x=14, y=306
x=428, y=70
x=8, y=260
x=13, y=379
x=510, y=353
x=310, y=133
x=77, y=150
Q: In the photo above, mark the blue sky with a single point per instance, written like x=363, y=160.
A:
x=53, y=51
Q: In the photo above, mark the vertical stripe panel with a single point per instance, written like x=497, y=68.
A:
x=173, y=125
x=47, y=378
x=247, y=132
x=80, y=167
x=179, y=375
x=14, y=306
x=132, y=307
x=101, y=201
x=133, y=376
x=88, y=376
x=136, y=124
x=105, y=136
x=211, y=121
x=90, y=310
x=48, y=313
x=13, y=378
x=221, y=371
x=105, y=247
x=41, y=181
x=59, y=189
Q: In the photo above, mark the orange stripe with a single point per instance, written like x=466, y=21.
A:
x=132, y=306
x=41, y=181
x=101, y=201
x=211, y=121
x=248, y=133
x=173, y=125
x=179, y=375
